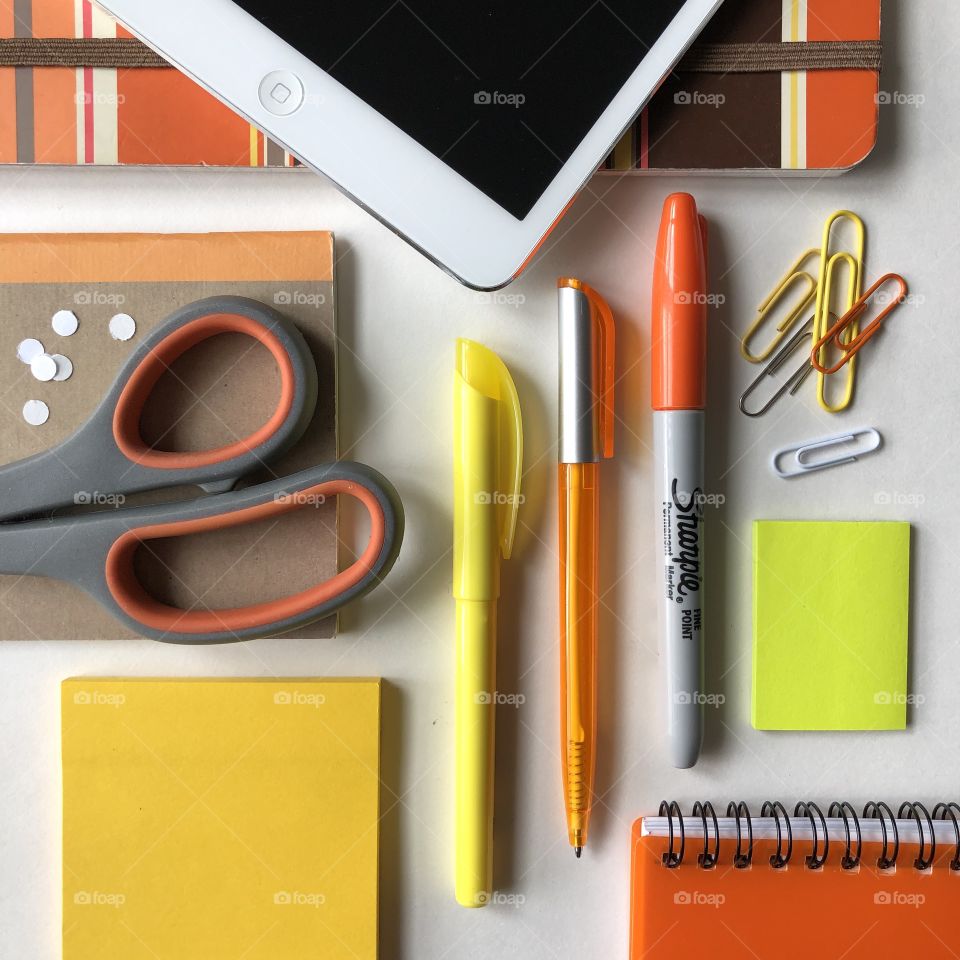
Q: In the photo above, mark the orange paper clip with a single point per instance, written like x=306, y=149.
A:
x=852, y=347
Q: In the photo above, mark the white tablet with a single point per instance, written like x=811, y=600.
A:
x=465, y=127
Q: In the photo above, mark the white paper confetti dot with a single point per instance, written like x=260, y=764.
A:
x=122, y=326
x=43, y=367
x=36, y=412
x=28, y=349
x=65, y=323
x=64, y=367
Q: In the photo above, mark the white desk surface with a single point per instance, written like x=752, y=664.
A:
x=399, y=316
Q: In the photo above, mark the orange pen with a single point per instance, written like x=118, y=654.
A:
x=587, y=354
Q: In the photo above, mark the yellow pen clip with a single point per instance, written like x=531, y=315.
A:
x=825, y=297
x=488, y=453
x=482, y=373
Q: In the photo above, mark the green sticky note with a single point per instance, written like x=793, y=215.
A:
x=830, y=612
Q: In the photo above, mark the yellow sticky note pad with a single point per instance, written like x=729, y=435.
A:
x=220, y=818
x=830, y=621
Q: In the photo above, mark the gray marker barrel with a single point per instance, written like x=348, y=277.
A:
x=678, y=445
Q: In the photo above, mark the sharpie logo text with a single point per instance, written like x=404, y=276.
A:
x=686, y=555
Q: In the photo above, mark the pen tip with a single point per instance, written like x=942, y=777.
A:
x=578, y=851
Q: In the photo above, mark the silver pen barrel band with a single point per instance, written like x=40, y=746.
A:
x=581, y=439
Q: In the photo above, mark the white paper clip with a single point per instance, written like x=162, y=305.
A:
x=803, y=460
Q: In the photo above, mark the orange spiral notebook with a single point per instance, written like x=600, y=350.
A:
x=812, y=882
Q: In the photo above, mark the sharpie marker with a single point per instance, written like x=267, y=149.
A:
x=679, y=342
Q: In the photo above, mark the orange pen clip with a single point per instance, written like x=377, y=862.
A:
x=587, y=370
x=852, y=347
x=608, y=343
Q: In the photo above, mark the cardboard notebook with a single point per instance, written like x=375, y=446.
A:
x=724, y=109
x=219, y=390
x=207, y=819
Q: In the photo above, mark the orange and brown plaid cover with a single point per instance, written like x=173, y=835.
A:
x=809, y=120
x=816, y=120
x=107, y=116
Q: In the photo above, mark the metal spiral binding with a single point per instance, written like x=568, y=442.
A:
x=940, y=812
x=709, y=857
x=813, y=812
x=915, y=809
x=848, y=861
x=881, y=812
x=672, y=859
x=774, y=809
x=708, y=860
x=740, y=811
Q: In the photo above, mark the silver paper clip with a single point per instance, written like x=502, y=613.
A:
x=803, y=460
x=796, y=379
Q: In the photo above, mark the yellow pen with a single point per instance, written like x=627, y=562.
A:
x=488, y=451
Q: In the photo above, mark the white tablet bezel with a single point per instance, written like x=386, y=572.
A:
x=385, y=170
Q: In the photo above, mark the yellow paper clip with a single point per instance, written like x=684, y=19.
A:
x=795, y=277
x=825, y=299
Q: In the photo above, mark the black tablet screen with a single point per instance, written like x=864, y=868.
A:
x=502, y=91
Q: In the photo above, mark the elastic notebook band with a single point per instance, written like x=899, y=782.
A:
x=123, y=52
x=780, y=57
x=109, y=52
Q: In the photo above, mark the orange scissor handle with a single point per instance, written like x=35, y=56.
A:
x=151, y=366
x=109, y=453
x=852, y=347
x=96, y=551
x=169, y=623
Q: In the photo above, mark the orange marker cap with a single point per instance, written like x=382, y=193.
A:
x=678, y=322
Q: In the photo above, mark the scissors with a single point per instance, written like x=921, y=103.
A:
x=96, y=551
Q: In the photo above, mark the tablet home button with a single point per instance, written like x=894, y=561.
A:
x=281, y=92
